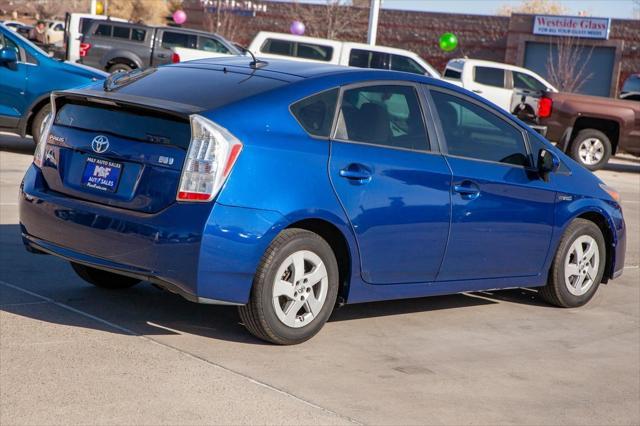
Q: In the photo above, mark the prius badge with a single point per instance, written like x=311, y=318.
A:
x=100, y=144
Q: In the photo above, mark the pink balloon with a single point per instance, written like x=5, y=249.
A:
x=179, y=17
x=297, y=28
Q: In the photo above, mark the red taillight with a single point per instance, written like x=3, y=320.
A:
x=544, y=107
x=84, y=49
x=175, y=58
x=192, y=196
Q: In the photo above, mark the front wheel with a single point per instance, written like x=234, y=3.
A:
x=577, y=267
x=294, y=289
x=591, y=148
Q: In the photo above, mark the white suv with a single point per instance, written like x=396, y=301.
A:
x=302, y=48
x=493, y=80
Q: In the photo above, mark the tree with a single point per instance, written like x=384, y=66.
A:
x=567, y=64
x=334, y=20
x=146, y=11
x=545, y=7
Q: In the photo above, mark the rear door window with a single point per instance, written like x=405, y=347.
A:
x=137, y=34
x=368, y=59
x=314, y=51
x=103, y=30
x=387, y=115
x=526, y=82
x=489, y=76
x=171, y=39
x=315, y=113
x=405, y=64
x=278, y=47
x=121, y=32
x=212, y=45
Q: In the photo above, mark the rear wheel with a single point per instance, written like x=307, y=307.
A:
x=591, y=148
x=578, y=266
x=40, y=121
x=119, y=68
x=103, y=279
x=294, y=289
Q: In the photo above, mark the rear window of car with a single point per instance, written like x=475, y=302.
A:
x=315, y=113
x=130, y=124
x=304, y=50
x=489, y=76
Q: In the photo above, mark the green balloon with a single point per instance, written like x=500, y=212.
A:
x=448, y=42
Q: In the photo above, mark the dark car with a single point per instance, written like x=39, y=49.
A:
x=116, y=46
x=289, y=187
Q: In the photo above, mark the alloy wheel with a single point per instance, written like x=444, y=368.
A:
x=591, y=151
x=581, y=265
x=300, y=289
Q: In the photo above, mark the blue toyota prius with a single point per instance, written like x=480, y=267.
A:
x=287, y=188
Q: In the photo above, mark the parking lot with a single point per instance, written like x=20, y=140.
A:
x=73, y=353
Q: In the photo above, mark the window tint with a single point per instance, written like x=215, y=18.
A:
x=170, y=39
x=452, y=74
x=314, y=51
x=527, y=82
x=103, y=30
x=278, y=47
x=315, y=113
x=211, y=45
x=489, y=76
x=383, y=115
x=402, y=63
x=137, y=34
x=121, y=32
x=368, y=59
x=472, y=131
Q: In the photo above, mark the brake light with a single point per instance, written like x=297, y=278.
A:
x=212, y=153
x=38, y=154
x=175, y=58
x=544, y=107
x=84, y=49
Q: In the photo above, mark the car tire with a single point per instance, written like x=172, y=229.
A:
x=39, y=121
x=103, y=279
x=287, y=307
x=574, y=278
x=591, y=148
x=119, y=68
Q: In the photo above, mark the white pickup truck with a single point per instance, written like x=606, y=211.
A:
x=500, y=83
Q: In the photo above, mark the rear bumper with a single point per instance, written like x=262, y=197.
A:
x=186, y=248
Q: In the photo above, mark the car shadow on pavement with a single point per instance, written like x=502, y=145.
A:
x=16, y=144
x=147, y=310
x=623, y=167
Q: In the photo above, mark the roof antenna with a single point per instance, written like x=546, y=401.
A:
x=256, y=63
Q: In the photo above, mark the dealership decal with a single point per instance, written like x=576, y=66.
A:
x=571, y=26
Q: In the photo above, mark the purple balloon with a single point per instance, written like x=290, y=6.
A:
x=297, y=28
x=179, y=17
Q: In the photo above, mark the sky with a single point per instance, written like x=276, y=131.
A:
x=622, y=9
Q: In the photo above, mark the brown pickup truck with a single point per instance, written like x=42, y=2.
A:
x=590, y=128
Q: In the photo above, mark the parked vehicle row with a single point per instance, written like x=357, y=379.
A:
x=287, y=188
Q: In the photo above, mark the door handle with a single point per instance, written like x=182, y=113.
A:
x=162, y=55
x=467, y=190
x=356, y=173
x=476, y=91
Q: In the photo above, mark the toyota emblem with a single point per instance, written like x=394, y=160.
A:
x=100, y=144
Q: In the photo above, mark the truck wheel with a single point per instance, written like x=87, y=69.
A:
x=39, y=122
x=119, y=68
x=103, y=279
x=591, y=148
x=577, y=267
x=294, y=289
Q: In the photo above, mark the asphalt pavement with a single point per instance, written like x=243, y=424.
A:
x=71, y=353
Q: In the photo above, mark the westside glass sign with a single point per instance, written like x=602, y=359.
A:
x=572, y=26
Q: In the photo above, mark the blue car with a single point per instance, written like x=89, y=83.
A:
x=287, y=188
x=27, y=77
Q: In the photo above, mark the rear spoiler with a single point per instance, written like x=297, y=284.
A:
x=176, y=109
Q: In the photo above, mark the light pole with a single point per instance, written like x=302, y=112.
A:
x=373, y=21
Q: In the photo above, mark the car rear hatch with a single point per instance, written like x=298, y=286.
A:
x=122, y=151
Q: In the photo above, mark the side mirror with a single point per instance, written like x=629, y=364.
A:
x=8, y=58
x=548, y=162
